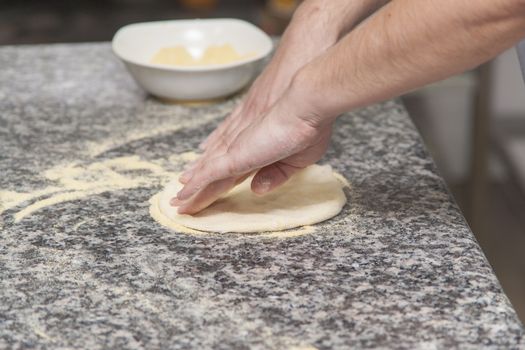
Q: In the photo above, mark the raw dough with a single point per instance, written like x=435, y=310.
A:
x=313, y=195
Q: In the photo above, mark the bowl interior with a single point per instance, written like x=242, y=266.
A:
x=138, y=43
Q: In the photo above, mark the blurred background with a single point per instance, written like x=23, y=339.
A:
x=473, y=123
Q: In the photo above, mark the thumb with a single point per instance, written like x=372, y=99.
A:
x=272, y=176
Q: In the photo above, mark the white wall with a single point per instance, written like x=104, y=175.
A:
x=443, y=112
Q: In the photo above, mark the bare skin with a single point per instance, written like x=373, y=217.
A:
x=403, y=45
x=322, y=28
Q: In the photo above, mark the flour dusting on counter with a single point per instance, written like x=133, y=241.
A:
x=75, y=181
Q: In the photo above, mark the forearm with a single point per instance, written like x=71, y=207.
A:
x=331, y=19
x=317, y=25
x=407, y=44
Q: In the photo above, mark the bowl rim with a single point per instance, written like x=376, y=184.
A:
x=211, y=67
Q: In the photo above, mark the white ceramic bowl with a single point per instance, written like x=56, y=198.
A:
x=136, y=44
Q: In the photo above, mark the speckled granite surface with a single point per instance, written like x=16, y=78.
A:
x=398, y=268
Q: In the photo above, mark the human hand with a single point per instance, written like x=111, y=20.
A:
x=274, y=139
x=315, y=27
x=291, y=55
x=285, y=140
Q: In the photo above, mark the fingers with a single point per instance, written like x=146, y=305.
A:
x=186, y=176
x=190, y=168
x=206, y=197
x=277, y=145
x=210, y=171
x=241, y=118
x=266, y=180
x=272, y=176
x=257, y=146
x=210, y=153
x=218, y=145
x=188, y=173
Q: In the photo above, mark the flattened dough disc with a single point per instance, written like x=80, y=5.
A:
x=313, y=195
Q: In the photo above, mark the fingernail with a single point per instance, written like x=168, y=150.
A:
x=185, y=177
x=264, y=185
x=185, y=193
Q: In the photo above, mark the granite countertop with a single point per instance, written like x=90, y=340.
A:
x=83, y=265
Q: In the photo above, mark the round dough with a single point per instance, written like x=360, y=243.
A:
x=312, y=195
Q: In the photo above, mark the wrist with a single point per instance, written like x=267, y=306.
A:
x=307, y=91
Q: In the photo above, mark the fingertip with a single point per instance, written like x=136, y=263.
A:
x=185, y=177
x=261, y=185
x=185, y=193
x=183, y=180
x=271, y=176
x=175, y=202
x=215, y=169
